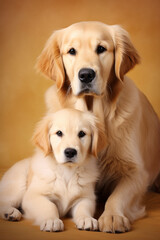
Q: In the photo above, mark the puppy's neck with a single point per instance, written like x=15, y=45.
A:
x=66, y=172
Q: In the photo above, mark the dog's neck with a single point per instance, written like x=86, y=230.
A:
x=89, y=102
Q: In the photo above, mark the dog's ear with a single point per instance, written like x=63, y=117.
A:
x=99, y=139
x=41, y=135
x=126, y=56
x=50, y=61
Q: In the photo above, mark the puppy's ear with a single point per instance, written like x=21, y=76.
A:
x=99, y=139
x=126, y=56
x=50, y=61
x=41, y=136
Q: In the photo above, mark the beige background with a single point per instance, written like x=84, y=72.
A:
x=26, y=25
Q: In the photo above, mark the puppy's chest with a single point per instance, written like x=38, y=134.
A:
x=64, y=192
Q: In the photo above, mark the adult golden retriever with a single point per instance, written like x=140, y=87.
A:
x=60, y=176
x=88, y=62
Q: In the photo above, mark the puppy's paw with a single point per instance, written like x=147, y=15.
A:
x=12, y=214
x=113, y=223
x=87, y=223
x=51, y=225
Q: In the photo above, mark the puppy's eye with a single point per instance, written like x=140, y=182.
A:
x=100, y=49
x=59, y=133
x=81, y=134
x=72, y=51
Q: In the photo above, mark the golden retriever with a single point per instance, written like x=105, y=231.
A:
x=60, y=176
x=88, y=62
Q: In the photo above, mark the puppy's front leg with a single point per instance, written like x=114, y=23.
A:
x=83, y=215
x=43, y=211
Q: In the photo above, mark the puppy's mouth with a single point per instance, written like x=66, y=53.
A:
x=70, y=162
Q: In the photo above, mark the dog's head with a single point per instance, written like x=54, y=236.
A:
x=70, y=135
x=88, y=57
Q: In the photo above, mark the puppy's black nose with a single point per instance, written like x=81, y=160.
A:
x=86, y=75
x=70, y=152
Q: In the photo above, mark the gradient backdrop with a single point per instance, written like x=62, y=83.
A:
x=25, y=27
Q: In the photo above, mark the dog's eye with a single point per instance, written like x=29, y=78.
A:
x=81, y=134
x=59, y=133
x=100, y=49
x=72, y=51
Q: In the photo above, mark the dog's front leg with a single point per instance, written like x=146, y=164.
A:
x=83, y=215
x=42, y=211
x=124, y=204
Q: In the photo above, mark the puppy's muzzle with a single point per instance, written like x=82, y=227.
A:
x=70, y=153
x=86, y=75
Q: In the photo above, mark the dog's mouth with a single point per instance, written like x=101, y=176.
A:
x=87, y=91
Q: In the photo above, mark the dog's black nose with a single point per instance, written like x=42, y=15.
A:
x=86, y=75
x=70, y=152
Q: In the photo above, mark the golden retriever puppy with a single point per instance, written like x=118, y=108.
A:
x=60, y=176
x=88, y=62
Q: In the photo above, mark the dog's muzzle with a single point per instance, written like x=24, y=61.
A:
x=86, y=77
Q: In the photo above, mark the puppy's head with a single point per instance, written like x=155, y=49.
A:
x=70, y=135
x=87, y=57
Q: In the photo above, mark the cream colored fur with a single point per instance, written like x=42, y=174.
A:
x=131, y=160
x=49, y=185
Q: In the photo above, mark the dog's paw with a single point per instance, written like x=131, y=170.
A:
x=113, y=223
x=87, y=223
x=12, y=214
x=51, y=225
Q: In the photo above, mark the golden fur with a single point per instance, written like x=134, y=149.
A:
x=131, y=159
x=50, y=183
